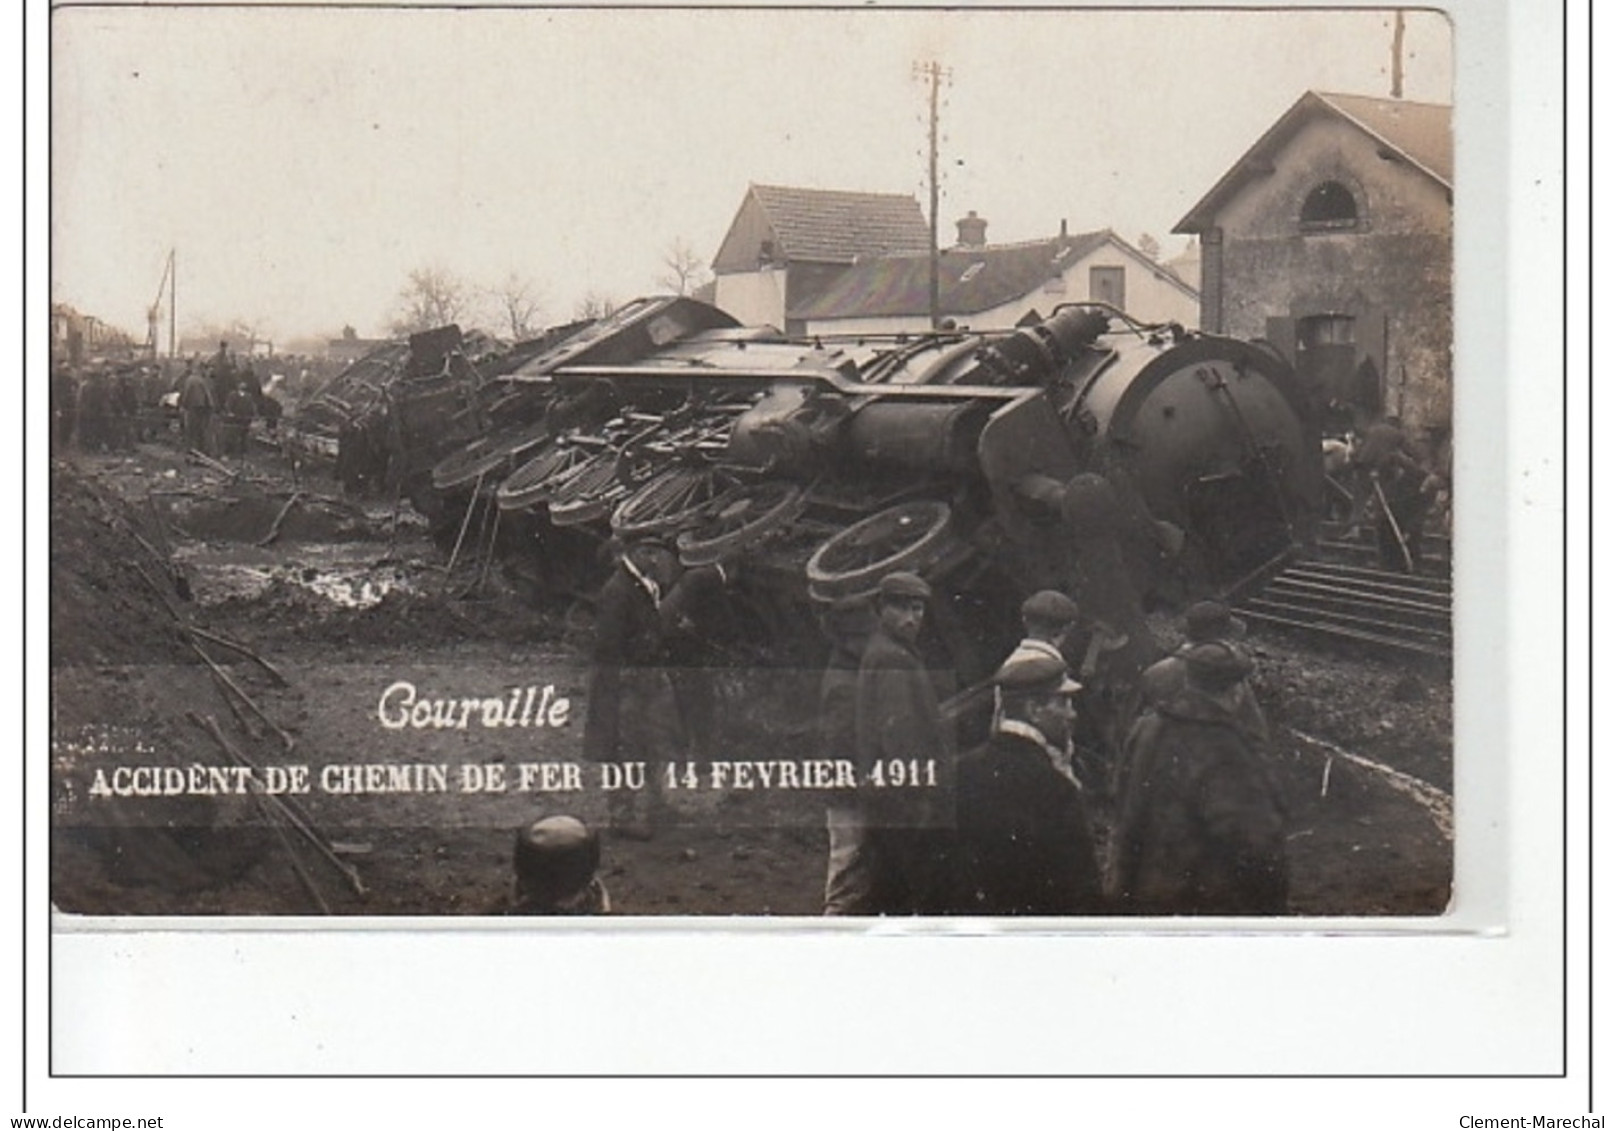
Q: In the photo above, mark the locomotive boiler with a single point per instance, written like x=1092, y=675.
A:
x=816, y=466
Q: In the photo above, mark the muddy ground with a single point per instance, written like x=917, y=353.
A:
x=342, y=599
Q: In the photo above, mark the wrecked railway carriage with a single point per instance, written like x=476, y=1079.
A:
x=813, y=467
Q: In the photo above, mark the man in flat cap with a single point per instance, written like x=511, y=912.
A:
x=898, y=719
x=1024, y=845
x=1205, y=622
x=632, y=713
x=848, y=623
x=1203, y=818
x=1048, y=616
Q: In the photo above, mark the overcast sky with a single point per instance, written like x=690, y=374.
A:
x=302, y=162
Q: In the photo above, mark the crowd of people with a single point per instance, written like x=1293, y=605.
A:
x=1115, y=776
x=207, y=404
x=1380, y=477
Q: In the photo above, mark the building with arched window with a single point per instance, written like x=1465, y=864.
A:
x=1331, y=237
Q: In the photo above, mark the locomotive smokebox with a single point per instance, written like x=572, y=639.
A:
x=1219, y=439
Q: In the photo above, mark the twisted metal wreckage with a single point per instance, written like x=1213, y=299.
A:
x=816, y=466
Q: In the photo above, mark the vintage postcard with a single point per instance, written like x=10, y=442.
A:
x=763, y=463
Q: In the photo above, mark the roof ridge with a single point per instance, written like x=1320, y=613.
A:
x=836, y=192
x=1385, y=101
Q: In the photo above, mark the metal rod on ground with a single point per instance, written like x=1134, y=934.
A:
x=274, y=529
x=208, y=461
x=465, y=524
x=192, y=631
x=159, y=526
x=223, y=642
x=307, y=880
x=487, y=559
x=398, y=506
x=1396, y=527
x=287, y=740
x=294, y=816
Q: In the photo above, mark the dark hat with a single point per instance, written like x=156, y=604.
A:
x=556, y=858
x=1088, y=503
x=903, y=584
x=1050, y=605
x=1215, y=664
x=1035, y=673
x=1212, y=620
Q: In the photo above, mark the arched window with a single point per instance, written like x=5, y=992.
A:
x=1329, y=206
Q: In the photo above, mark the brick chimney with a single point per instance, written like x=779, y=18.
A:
x=972, y=231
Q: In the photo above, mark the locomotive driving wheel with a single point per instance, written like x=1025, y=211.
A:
x=909, y=536
x=739, y=519
x=487, y=454
x=589, y=492
x=672, y=500
x=533, y=482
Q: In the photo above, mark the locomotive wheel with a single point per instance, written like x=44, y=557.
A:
x=486, y=454
x=909, y=536
x=739, y=519
x=674, y=499
x=589, y=493
x=533, y=482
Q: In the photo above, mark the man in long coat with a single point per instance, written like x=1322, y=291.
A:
x=849, y=876
x=898, y=721
x=632, y=714
x=196, y=405
x=1024, y=845
x=1203, y=818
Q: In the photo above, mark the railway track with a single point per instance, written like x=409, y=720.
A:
x=1394, y=612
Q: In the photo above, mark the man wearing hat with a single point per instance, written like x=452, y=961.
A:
x=196, y=405
x=632, y=713
x=1205, y=622
x=848, y=623
x=1203, y=819
x=1119, y=644
x=899, y=840
x=1048, y=617
x=555, y=862
x=1024, y=845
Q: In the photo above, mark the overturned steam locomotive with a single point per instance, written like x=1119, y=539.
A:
x=814, y=467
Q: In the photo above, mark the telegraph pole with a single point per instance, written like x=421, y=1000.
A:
x=173, y=305
x=933, y=73
x=1396, y=55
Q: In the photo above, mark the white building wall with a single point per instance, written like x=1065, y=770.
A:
x=1151, y=297
x=754, y=298
x=906, y=324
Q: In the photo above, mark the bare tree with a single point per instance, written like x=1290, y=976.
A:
x=240, y=334
x=431, y=297
x=519, y=305
x=686, y=270
x=594, y=305
x=1150, y=246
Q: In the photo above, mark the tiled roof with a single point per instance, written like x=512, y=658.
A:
x=829, y=226
x=901, y=285
x=1421, y=132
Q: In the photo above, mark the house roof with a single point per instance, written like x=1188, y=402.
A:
x=831, y=226
x=901, y=285
x=1420, y=133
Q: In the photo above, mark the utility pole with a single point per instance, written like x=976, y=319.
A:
x=933, y=73
x=1396, y=55
x=173, y=305
x=165, y=283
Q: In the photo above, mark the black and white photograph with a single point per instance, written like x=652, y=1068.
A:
x=751, y=463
